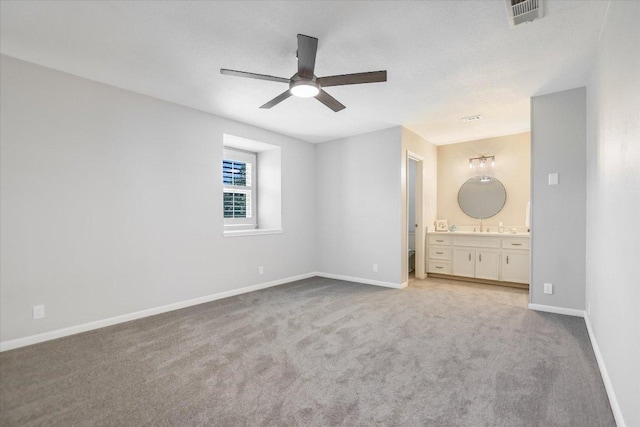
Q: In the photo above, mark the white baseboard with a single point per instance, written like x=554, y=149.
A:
x=557, y=310
x=361, y=280
x=59, y=333
x=47, y=336
x=615, y=407
x=613, y=401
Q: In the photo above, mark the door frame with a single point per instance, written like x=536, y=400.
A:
x=420, y=264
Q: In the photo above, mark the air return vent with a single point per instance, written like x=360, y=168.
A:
x=521, y=11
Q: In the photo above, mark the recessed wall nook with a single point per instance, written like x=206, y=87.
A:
x=483, y=212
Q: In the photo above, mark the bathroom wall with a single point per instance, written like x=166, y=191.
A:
x=513, y=160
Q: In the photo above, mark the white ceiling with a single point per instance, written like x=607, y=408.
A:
x=445, y=59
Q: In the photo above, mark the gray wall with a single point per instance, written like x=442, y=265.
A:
x=558, y=137
x=111, y=203
x=613, y=205
x=358, y=202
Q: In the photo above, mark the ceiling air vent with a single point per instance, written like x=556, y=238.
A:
x=521, y=11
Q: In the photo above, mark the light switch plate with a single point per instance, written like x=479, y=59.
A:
x=553, y=179
x=548, y=288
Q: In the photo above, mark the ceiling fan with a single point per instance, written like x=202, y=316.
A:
x=305, y=84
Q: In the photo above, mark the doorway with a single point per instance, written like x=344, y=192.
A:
x=414, y=248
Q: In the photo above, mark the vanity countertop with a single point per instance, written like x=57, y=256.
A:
x=479, y=233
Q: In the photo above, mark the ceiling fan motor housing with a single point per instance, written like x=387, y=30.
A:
x=304, y=88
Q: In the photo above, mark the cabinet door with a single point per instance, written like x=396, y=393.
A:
x=488, y=264
x=515, y=266
x=463, y=262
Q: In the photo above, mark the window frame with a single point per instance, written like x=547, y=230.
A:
x=251, y=159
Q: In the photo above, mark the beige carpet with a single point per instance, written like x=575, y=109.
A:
x=319, y=352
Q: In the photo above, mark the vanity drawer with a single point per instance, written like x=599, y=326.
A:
x=440, y=252
x=477, y=242
x=515, y=243
x=439, y=240
x=442, y=267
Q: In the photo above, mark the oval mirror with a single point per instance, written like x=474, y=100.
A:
x=482, y=197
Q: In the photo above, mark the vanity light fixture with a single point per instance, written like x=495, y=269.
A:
x=482, y=162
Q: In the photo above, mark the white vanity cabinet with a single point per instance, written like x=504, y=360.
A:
x=493, y=257
x=464, y=262
x=480, y=263
x=476, y=256
x=439, y=254
x=515, y=259
x=488, y=264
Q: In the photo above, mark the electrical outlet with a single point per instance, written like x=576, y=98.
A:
x=548, y=288
x=375, y=268
x=261, y=270
x=38, y=312
x=553, y=179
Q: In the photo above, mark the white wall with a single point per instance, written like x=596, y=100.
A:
x=111, y=203
x=419, y=146
x=613, y=205
x=558, y=227
x=358, y=206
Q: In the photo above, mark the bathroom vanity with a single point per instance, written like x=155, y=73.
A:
x=496, y=258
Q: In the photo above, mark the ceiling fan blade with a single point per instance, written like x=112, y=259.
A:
x=329, y=101
x=277, y=100
x=307, y=47
x=353, y=79
x=253, y=75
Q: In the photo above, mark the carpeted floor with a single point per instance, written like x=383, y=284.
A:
x=319, y=352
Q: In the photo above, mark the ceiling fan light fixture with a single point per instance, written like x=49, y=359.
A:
x=305, y=84
x=304, y=88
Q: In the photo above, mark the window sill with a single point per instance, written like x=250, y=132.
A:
x=254, y=232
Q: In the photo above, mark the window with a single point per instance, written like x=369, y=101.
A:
x=239, y=189
x=251, y=195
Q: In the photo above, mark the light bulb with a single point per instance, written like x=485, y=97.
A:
x=470, y=164
x=304, y=88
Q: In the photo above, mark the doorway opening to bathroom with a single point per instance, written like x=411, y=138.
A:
x=415, y=265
